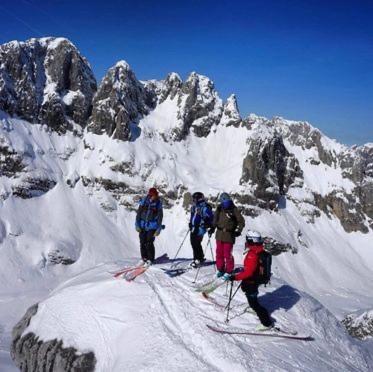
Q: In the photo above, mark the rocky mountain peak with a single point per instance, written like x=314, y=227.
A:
x=231, y=114
x=120, y=100
x=46, y=81
x=171, y=87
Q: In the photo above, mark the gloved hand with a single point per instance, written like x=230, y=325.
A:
x=210, y=231
x=138, y=229
x=227, y=277
x=190, y=226
x=237, y=233
x=157, y=232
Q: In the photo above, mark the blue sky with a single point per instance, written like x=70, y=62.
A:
x=307, y=60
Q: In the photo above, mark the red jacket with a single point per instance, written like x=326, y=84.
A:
x=251, y=262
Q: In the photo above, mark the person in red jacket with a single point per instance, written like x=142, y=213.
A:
x=253, y=248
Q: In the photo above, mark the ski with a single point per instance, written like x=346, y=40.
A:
x=278, y=334
x=247, y=309
x=210, y=286
x=119, y=273
x=181, y=265
x=172, y=273
x=133, y=274
x=212, y=301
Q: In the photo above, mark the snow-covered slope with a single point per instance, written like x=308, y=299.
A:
x=159, y=323
x=67, y=200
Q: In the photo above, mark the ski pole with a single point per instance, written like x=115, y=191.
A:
x=235, y=292
x=181, y=245
x=229, y=303
x=212, y=253
x=199, y=268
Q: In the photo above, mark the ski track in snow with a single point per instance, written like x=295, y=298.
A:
x=158, y=323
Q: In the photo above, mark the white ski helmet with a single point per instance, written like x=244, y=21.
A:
x=253, y=237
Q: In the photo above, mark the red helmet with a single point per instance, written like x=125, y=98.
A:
x=153, y=192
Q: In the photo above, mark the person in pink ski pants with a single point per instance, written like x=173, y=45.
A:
x=228, y=223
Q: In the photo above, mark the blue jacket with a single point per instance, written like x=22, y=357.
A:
x=201, y=217
x=149, y=214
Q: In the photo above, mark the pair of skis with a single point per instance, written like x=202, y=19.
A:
x=211, y=286
x=276, y=332
x=130, y=273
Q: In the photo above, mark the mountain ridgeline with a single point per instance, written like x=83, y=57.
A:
x=48, y=82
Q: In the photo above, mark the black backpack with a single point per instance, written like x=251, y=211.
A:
x=265, y=263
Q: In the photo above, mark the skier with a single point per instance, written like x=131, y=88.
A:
x=200, y=220
x=250, y=278
x=229, y=223
x=149, y=224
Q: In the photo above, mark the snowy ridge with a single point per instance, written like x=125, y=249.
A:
x=162, y=321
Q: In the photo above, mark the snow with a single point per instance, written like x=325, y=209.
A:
x=155, y=320
x=123, y=64
x=69, y=97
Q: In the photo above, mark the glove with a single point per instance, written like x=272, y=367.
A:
x=227, y=277
x=157, y=232
x=237, y=233
x=190, y=226
x=210, y=232
x=138, y=229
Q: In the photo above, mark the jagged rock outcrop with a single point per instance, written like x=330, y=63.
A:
x=345, y=207
x=231, y=114
x=32, y=354
x=304, y=135
x=357, y=165
x=120, y=100
x=32, y=186
x=201, y=107
x=11, y=163
x=46, y=81
x=269, y=167
x=171, y=87
x=274, y=247
x=359, y=325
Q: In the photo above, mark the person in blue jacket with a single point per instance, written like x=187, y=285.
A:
x=149, y=224
x=201, y=217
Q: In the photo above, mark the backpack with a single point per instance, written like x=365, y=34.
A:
x=265, y=263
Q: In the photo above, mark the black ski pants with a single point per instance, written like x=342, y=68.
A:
x=196, y=242
x=251, y=292
x=147, y=245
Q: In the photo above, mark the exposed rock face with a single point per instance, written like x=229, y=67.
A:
x=231, y=114
x=201, y=107
x=270, y=167
x=171, y=87
x=46, y=81
x=357, y=165
x=120, y=100
x=345, y=207
x=31, y=187
x=274, y=247
x=31, y=354
x=304, y=135
x=11, y=163
x=359, y=325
